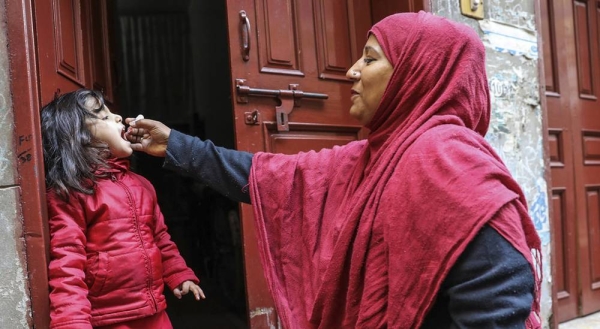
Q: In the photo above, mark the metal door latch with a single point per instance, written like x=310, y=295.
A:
x=289, y=99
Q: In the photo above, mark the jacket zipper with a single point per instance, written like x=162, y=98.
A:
x=139, y=234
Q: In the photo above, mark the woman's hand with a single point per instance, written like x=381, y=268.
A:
x=148, y=136
x=186, y=287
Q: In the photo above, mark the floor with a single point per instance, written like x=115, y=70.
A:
x=589, y=322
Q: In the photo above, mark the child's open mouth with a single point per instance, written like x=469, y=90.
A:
x=124, y=131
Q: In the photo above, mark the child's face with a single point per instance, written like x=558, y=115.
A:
x=108, y=128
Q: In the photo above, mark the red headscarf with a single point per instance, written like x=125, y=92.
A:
x=364, y=234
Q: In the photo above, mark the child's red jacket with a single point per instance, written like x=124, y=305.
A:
x=110, y=253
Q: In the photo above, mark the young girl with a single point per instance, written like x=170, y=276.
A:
x=110, y=253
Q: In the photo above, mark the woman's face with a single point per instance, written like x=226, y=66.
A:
x=371, y=74
x=108, y=128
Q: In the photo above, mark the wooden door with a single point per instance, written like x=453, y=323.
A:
x=558, y=54
x=586, y=137
x=73, y=47
x=307, y=45
x=571, y=62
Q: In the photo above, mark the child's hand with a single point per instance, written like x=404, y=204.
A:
x=186, y=287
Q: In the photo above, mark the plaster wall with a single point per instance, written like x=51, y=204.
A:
x=14, y=298
x=516, y=123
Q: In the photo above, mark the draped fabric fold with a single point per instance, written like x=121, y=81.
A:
x=363, y=235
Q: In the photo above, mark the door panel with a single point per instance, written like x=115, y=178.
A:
x=279, y=47
x=336, y=52
x=73, y=47
x=63, y=47
x=305, y=45
x=307, y=137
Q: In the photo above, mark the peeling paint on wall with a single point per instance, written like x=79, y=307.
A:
x=514, y=12
x=516, y=134
x=7, y=172
x=516, y=123
x=510, y=39
x=14, y=299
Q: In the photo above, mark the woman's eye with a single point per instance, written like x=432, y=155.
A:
x=368, y=60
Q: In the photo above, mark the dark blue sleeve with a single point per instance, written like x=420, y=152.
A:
x=224, y=170
x=490, y=286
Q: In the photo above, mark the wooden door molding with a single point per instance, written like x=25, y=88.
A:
x=64, y=44
x=26, y=106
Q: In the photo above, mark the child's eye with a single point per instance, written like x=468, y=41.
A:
x=105, y=118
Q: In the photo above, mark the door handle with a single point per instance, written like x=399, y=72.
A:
x=245, y=30
x=289, y=99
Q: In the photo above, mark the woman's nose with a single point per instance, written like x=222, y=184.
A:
x=353, y=73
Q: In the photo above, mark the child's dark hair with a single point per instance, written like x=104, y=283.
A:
x=70, y=153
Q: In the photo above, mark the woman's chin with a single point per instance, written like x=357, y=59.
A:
x=355, y=113
x=359, y=116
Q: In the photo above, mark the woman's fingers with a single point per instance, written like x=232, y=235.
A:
x=135, y=135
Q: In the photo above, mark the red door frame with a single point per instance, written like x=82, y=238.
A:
x=28, y=149
x=553, y=320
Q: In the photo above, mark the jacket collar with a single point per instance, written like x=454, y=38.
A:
x=115, y=165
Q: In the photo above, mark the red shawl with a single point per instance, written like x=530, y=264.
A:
x=363, y=235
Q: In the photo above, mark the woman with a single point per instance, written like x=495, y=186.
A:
x=421, y=225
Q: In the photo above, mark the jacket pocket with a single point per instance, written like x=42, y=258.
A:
x=96, y=272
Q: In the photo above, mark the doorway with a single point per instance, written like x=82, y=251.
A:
x=171, y=64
